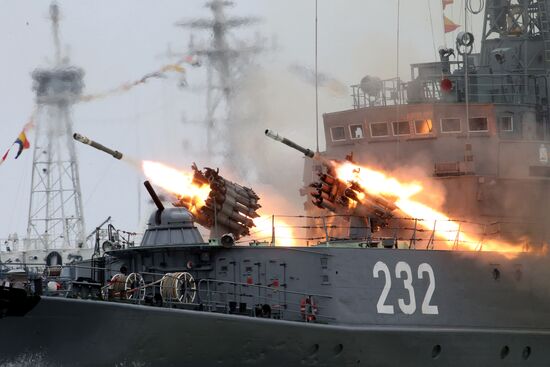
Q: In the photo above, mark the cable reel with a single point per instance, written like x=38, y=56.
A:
x=180, y=287
x=134, y=287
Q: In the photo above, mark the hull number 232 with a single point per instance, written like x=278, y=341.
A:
x=408, y=304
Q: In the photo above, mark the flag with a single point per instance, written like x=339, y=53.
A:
x=446, y=2
x=23, y=143
x=449, y=25
x=4, y=156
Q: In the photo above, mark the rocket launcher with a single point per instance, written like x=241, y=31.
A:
x=339, y=196
x=229, y=208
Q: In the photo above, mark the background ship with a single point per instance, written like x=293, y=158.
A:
x=365, y=294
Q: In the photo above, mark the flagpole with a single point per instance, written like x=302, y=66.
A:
x=466, y=81
x=443, y=22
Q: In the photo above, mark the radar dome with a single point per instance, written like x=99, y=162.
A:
x=371, y=85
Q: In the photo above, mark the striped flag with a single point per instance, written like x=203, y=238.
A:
x=4, y=156
x=23, y=143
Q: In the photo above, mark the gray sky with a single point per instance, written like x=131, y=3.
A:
x=117, y=41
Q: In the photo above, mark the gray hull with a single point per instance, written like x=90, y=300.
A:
x=68, y=332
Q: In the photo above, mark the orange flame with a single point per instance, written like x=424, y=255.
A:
x=177, y=182
x=449, y=230
x=375, y=182
x=181, y=184
x=284, y=235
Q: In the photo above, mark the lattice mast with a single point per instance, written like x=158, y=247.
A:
x=224, y=62
x=55, y=212
x=516, y=22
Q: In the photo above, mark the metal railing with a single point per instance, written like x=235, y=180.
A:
x=283, y=303
x=209, y=295
x=425, y=87
x=405, y=232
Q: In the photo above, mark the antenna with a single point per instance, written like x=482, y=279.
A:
x=55, y=211
x=225, y=62
x=466, y=77
x=316, y=85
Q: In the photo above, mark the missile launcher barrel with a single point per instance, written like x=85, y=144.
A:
x=84, y=140
x=325, y=205
x=273, y=135
x=329, y=180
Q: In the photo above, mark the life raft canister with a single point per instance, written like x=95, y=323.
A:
x=54, y=258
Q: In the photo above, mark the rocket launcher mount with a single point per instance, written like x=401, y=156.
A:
x=341, y=197
x=229, y=207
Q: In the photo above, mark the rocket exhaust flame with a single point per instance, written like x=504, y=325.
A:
x=361, y=192
x=177, y=182
x=375, y=182
x=378, y=183
x=215, y=201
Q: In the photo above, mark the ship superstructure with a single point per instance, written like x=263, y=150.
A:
x=477, y=123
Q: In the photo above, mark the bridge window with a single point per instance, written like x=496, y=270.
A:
x=401, y=128
x=379, y=129
x=338, y=133
x=506, y=123
x=478, y=124
x=450, y=125
x=423, y=127
x=356, y=131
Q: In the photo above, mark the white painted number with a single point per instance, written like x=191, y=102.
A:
x=381, y=306
x=428, y=309
x=403, y=267
x=410, y=307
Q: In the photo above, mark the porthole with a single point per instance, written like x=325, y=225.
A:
x=526, y=353
x=314, y=349
x=504, y=352
x=436, y=351
x=338, y=349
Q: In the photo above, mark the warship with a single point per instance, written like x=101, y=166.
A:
x=380, y=285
